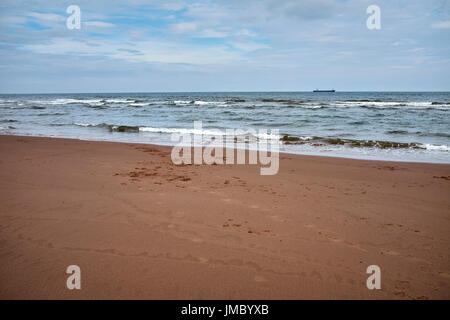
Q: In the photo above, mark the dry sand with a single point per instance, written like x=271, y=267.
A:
x=140, y=227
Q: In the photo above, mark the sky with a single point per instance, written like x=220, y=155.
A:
x=224, y=45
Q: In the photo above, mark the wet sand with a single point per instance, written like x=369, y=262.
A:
x=140, y=227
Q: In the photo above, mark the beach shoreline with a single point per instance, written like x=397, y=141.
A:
x=141, y=227
x=367, y=157
x=344, y=124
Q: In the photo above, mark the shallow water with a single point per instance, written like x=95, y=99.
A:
x=403, y=126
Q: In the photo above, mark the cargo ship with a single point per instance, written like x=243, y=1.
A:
x=317, y=90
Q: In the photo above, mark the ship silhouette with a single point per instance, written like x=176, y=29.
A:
x=330, y=90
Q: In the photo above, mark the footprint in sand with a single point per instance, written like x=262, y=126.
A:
x=400, y=294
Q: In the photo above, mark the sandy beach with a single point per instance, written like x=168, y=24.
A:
x=140, y=227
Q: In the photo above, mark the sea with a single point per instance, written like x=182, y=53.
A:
x=395, y=126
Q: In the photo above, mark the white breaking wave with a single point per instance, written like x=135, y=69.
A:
x=258, y=134
x=310, y=107
x=67, y=101
x=199, y=102
x=220, y=103
x=85, y=101
x=85, y=124
x=392, y=104
x=213, y=132
x=241, y=136
x=182, y=102
x=180, y=131
x=116, y=100
x=436, y=147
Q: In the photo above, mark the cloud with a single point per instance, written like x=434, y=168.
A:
x=441, y=25
x=12, y=20
x=211, y=33
x=306, y=9
x=183, y=27
x=144, y=51
x=249, y=46
x=47, y=16
x=232, y=38
x=245, y=33
x=99, y=24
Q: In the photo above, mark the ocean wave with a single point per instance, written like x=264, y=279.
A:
x=219, y=103
x=239, y=135
x=397, y=132
x=62, y=101
x=58, y=124
x=205, y=132
x=439, y=103
x=6, y=128
x=284, y=101
x=138, y=104
x=182, y=102
x=357, y=123
x=270, y=124
x=306, y=106
x=436, y=147
x=148, y=129
x=212, y=132
x=379, y=144
x=198, y=102
x=115, y=101
x=391, y=104
x=263, y=103
x=52, y=114
x=97, y=106
x=434, y=134
x=110, y=127
x=274, y=107
x=285, y=139
x=66, y=101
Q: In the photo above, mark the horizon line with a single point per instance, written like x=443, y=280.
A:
x=212, y=91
